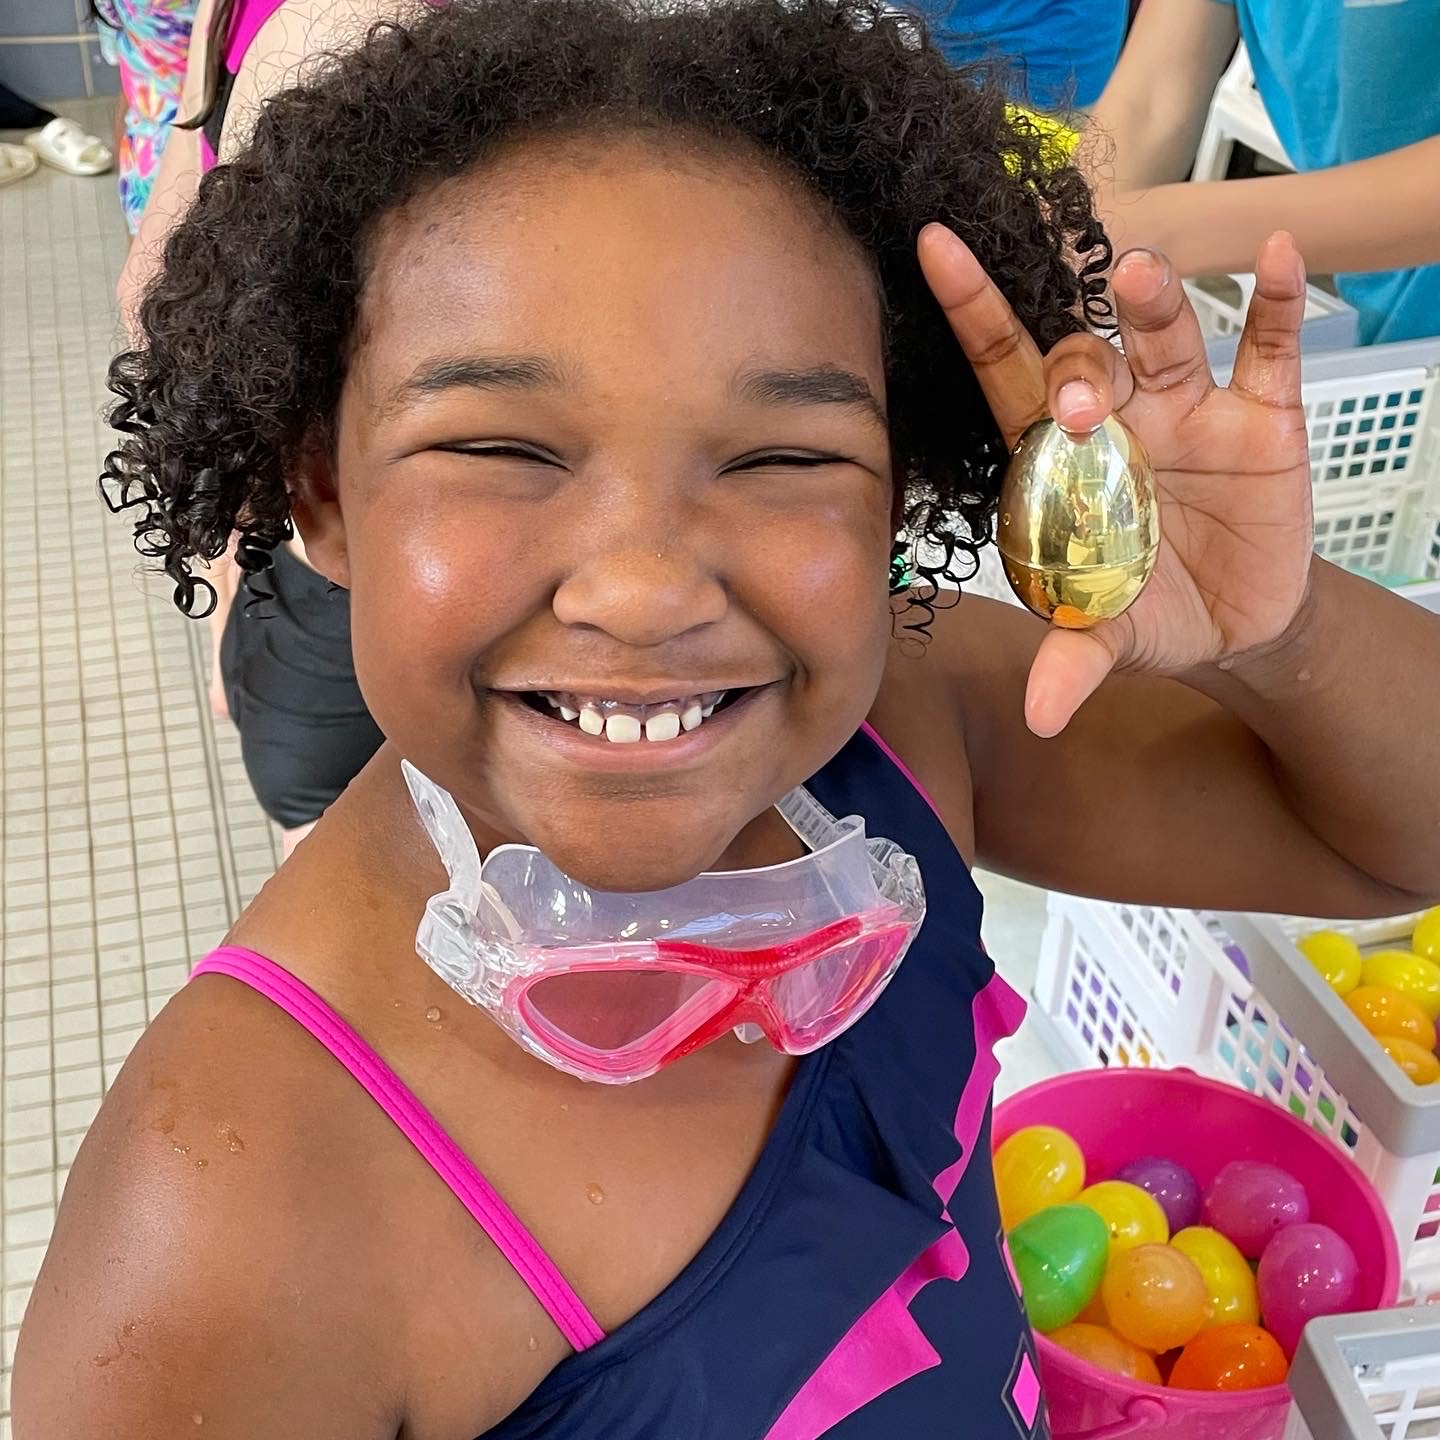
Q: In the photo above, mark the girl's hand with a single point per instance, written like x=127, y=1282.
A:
x=1231, y=464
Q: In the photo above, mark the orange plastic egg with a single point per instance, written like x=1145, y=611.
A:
x=1419, y=1064
x=1155, y=1297
x=1230, y=1357
x=1107, y=1350
x=1383, y=1011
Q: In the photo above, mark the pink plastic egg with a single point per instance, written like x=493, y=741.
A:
x=1250, y=1202
x=1306, y=1270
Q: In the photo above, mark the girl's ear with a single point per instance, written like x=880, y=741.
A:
x=315, y=509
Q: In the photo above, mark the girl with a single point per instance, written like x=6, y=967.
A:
x=600, y=353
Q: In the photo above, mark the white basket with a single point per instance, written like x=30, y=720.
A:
x=1144, y=985
x=1367, y=1377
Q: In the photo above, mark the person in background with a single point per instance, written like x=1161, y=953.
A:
x=1353, y=90
x=1059, y=52
x=148, y=40
x=281, y=666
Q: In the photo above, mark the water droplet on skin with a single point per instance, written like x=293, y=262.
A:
x=532, y=1343
x=233, y=1143
x=594, y=1194
x=565, y=1106
x=201, y=1163
x=197, y=1418
x=101, y=1361
x=433, y=1014
x=181, y=1149
x=127, y=1330
x=394, y=1004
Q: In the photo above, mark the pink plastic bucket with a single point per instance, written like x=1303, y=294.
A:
x=1117, y=1116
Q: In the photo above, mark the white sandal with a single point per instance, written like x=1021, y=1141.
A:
x=16, y=162
x=63, y=144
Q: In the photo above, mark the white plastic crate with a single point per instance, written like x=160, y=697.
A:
x=1367, y=1377
x=1144, y=985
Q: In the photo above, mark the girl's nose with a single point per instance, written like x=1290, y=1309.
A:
x=643, y=586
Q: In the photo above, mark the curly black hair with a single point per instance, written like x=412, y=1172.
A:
x=248, y=325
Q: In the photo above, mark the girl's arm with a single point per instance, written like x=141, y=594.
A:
x=1146, y=127
x=1259, y=730
x=176, y=180
x=1376, y=214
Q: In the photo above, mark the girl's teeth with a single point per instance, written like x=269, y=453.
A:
x=691, y=716
x=591, y=721
x=706, y=711
x=665, y=726
x=622, y=729
x=566, y=713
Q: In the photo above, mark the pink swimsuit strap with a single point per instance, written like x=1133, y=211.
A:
x=423, y=1131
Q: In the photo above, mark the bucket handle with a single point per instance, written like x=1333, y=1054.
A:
x=1142, y=1413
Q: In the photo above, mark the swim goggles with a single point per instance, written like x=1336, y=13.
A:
x=613, y=987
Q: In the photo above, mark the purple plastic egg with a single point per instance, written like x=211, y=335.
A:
x=1171, y=1184
x=1306, y=1270
x=1250, y=1201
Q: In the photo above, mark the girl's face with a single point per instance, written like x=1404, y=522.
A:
x=613, y=431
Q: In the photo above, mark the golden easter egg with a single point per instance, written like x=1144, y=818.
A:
x=1078, y=528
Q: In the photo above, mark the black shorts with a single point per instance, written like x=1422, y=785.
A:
x=304, y=730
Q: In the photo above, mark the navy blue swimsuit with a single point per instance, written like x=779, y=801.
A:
x=859, y=1288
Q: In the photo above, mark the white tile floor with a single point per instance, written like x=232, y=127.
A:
x=129, y=835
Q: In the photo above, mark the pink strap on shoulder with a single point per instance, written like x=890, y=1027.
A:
x=245, y=23
x=423, y=1131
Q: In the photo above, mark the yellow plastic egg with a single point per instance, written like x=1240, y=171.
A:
x=1229, y=1281
x=1036, y=1167
x=1426, y=942
x=1418, y=1063
x=1133, y=1216
x=1335, y=956
x=1078, y=526
x=1401, y=970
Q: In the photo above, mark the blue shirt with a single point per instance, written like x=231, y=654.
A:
x=1060, y=52
x=1346, y=80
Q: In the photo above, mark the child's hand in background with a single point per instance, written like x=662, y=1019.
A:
x=1231, y=464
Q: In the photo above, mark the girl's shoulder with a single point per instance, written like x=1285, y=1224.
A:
x=209, y=1232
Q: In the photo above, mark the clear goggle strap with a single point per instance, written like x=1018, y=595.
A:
x=447, y=938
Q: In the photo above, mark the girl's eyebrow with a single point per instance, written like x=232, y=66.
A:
x=473, y=372
x=818, y=385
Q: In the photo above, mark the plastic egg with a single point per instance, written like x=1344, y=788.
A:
x=1059, y=1256
x=1107, y=1350
x=1155, y=1297
x=1132, y=1216
x=1172, y=1185
x=1036, y=1167
x=1078, y=526
x=1404, y=971
x=1306, y=1270
x=1229, y=1281
x=1250, y=1200
x=1426, y=941
x=1383, y=1011
x=1335, y=956
x=1232, y=1357
x=1418, y=1063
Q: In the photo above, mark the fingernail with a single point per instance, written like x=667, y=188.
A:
x=1076, y=397
x=1149, y=270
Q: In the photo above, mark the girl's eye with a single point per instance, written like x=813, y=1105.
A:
x=505, y=452
x=784, y=458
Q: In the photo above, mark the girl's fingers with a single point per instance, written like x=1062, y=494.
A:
x=1069, y=667
x=1267, y=363
x=1005, y=358
x=1085, y=379
x=1163, y=343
